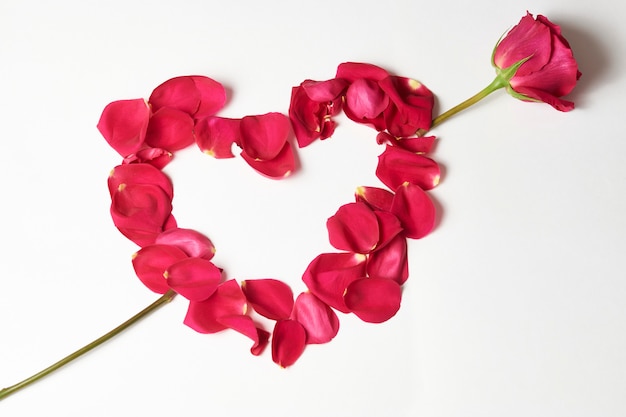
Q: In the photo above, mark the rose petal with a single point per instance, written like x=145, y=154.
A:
x=151, y=262
x=264, y=136
x=280, y=167
x=170, y=129
x=396, y=166
x=212, y=96
x=196, y=279
x=411, y=108
x=288, y=342
x=353, y=228
x=215, y=136
x=365, y=100
x=329, y=274
x=324, y=91
x=352, y=71
x=415, y=210
x=156, y=157
x=228, y=300
x=139, y=174
x=197, y=96
x=318, y=319
x=193, y=243
x=389, y=227
x=245, y=325
x=123, y=125
x=270, y=298
x=374, y=300
x=390, y=262
x=376, y=198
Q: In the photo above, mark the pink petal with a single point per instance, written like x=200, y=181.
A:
x=288, y=342
x=365, y=100
x=397, y=166
x=324, y=91
x=140, y=211
x=318, y=319
x=329, y=274
x=170, y=129
x=195, y=95
x=264, y=136
x=280, y=167
x=270, y=298
x=151, y=262
x=196, y=279
x=376, y=198
x=245, y=325
x=389, y=226
x=123, y=124
x=156, y=157
x=390, y=262
x=193, y=243
x=352, y=71
x=139, y=174
x=353, y=228
x=374, y=300
x=228, y=300
x=215, y=136
x=415, y=210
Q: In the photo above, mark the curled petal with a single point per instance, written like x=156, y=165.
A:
x=353, y=228
x=123, y=125
x=197, y=96
x=156, y=157
x=228, y=300
x=376, y=198
x=140, y=211
x=288, y=342
x=420, y=144
x=244, y=325
x=151, y=262
x=270, y=298
x=324, y=91
x=390, y=262
x=374, y=300
x=411, y=106
x=318, y=319
x=280, y=167
x=196, y=279
x=365, y=100
x=170, y=129
x=415, y=210
x=352, y=71
x=192, y=243
x=264, y=136
x=312, y=119
x=215, y=136
x=397, y=166
x=146, y=174
x=329, y=274
x=389, y=226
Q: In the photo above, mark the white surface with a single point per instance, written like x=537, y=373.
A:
x=515, y=304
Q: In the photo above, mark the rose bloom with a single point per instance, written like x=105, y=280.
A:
x=547, y=68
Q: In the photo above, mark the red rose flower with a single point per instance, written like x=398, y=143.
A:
x=538, y=62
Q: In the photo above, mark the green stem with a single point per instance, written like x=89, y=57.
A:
x=496, y=84
x=166, y=298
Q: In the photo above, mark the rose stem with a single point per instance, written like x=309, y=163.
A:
x=164, y=299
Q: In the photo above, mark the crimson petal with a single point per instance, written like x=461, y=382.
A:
x=288, y=342
x=196, y=279
x=123, y=125
x=193, y=243
x=390, y=262
x=374, y=300
x=270, y=298
x=139, y=174
x=415, y=210
x=318, y=319
x=264, y=136
x=151, y=262
x=244, y=325
x=197, y=96
x=396, y=166
x=353, y=228
x=280, y=167
x=215, y=136
x=352, y=71
x=376, y=198
x=228, y=300
x=329, y=274
x=170, y=129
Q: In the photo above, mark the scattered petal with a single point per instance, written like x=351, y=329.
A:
x=270, y=298
x=156, y=157
x=193, y=243
x=197, y=96
x=151, y=262
x=228, y=300
x=374, y=300
x=354, y=228
x=390, y=262
x=288, y=342
x=318, y=319
x=397, y=166
x=196, y=279
x=215, y=136
x=376, y=198
x=170, y=129
x=264, y=136
x=415, y=210
x=280, y=167
x=123, y=124
x=139, y=174
x=352, y=71
x=244, y=325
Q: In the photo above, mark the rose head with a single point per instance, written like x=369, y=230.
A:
x=537, y=62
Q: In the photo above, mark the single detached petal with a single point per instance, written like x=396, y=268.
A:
x=145, y=174
x=280, y=167
x=151, y=262
x=228, y=300
x=170, y=129
x=365, y=100
x=156, y=157
x=318, y=319
x=397, y=166
x=390, y=262
x=197, y=96
x=270, y=298
x=415, y=210
x=352, y=71
x=329, y=274
x=389, y=227
x=196, y=279
x=191, y=242
x=212, y=96
x=376, y=198
x=244, y=325
x=324, y=91
x=123, y=124
x=215, y=136
x=264, y=136
x=288, y=342
x=354, y=228
x=374, y=300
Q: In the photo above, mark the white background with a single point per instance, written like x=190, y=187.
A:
x=515, y=305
